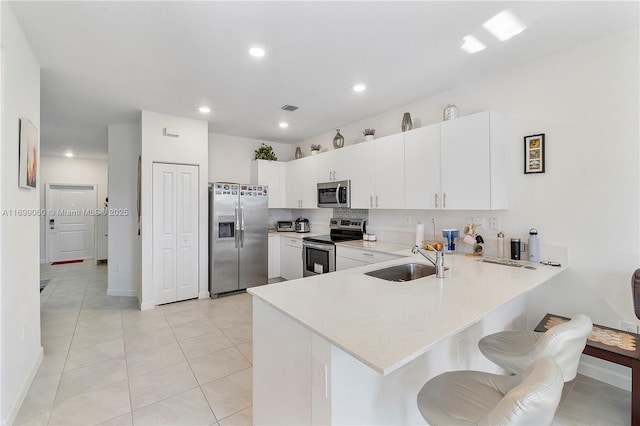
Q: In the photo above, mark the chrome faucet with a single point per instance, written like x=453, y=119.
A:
x=438, y=262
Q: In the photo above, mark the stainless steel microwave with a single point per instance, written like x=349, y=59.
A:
x=334, y=194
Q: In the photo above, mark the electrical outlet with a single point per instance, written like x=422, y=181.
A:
x=320, y=377
x=407, y=220
x=494, y=223
x=628, y=326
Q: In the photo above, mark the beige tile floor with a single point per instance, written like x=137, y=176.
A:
x=106, y=362
x=187, y=363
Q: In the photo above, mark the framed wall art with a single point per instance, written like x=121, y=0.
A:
x=28, y=155
x=534, y=154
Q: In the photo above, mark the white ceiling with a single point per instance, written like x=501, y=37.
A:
x=103, y=62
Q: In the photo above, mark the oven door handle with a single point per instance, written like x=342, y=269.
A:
x=323, y=247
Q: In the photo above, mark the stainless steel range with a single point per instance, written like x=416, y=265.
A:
x=319, y=252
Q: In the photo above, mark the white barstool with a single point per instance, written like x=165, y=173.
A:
x=479, y=398
x=515, y=350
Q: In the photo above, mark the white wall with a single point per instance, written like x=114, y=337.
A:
x=586, y=102
x=190, y=148
x=70, y=170
x=20, y=350
x=124, y=268
x=230, y=156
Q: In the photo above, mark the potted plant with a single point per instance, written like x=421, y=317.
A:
x=368, y=134
x=265, y=152
x=315, y=148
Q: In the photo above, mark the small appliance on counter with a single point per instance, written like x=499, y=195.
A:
x=451, y=235
x=285, y=226
x=302, y=225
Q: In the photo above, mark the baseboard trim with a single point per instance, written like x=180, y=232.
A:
x=613, y=378
x=24, y=389
x=203, y=295
x=147, y=305
x=121, y=292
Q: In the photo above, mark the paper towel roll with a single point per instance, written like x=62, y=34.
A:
x=419, y=234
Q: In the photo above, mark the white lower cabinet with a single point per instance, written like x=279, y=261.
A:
x=343, y=263
x=349, y=257
x=290, y=258
x=274, y=256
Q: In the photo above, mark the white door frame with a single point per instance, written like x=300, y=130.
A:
x=91, y=187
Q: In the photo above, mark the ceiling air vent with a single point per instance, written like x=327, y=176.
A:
x=289, y=108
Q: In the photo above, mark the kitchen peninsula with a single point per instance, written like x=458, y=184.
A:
x=347, y=348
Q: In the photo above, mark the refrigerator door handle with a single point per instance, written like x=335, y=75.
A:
x=241, y=227
x=237, y=226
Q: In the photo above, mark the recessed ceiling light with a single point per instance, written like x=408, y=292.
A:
x=359, y=88
x=204, y=109
x=470, y=44
x=68, y=154
x=256, y=52
x=504, y=25
x=283, y=125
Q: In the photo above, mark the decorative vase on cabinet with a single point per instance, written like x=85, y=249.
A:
x=338, y=140
x=450, y=112
x=407, y=124
x=299, y=153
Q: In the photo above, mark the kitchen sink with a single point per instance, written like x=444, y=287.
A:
x=403, y=273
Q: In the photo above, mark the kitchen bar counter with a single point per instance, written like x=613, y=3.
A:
x=347, y=348
x=386, y=325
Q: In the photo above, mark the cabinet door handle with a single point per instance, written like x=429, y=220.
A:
x=368, y=254
x=436, y=197
x=376, y=201
x=444, y=200
x=371, y=201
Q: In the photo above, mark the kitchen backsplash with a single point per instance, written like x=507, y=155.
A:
x=351, y=214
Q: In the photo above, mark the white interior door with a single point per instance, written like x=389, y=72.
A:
x=175, y=232
x=187, y=232
x=70, y=222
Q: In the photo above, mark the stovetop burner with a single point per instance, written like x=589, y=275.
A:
x=341, y=230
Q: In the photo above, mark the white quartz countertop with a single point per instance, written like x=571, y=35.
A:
x=377, y=246
x=298, y=235
x=386, y=325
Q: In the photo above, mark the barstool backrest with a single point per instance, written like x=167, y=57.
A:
x=533, y=399
x=635, y=290
x=564, y=343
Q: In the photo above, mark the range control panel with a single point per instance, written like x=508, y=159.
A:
x=357, y=224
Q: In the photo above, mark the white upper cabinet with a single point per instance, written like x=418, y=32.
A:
x=272, y=174
x=389, y=172
x=422, y=168
x=472, y=162
x=455, y=165
x=302, y=178
x=361, y=160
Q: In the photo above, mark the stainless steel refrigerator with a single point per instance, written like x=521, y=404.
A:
x=238, y=239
